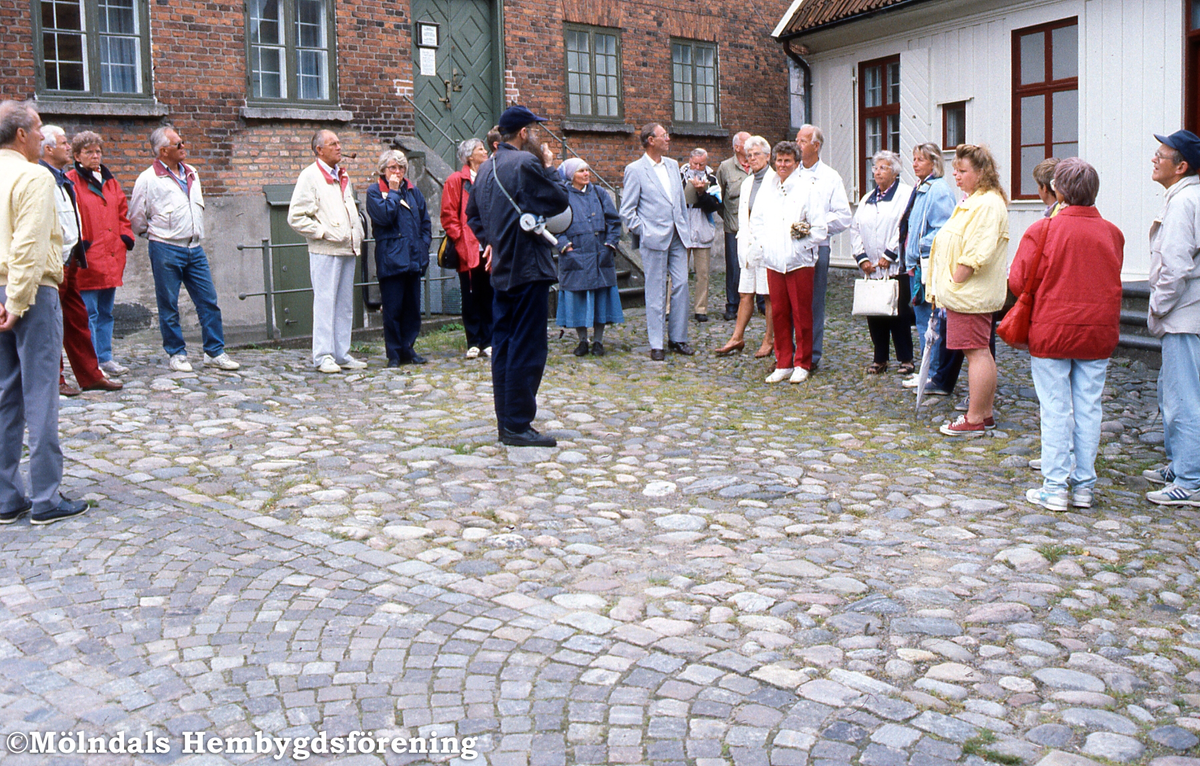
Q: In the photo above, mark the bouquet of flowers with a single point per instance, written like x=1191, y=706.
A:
x=800, y=229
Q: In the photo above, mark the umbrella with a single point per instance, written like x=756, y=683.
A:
x=931, y=339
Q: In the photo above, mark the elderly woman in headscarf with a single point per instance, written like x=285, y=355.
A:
x=587, y=272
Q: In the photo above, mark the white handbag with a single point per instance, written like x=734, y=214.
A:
x=876, y=297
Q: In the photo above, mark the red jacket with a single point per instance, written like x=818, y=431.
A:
x=104, y=219
x=1077, y=306
x=454, y=219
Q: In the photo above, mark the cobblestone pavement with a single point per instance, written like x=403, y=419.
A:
x=707, y=570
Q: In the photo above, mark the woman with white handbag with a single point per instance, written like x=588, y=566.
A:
x=875, y=236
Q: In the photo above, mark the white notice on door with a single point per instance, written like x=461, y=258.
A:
x=428, y=62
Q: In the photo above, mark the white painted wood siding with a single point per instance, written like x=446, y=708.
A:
x=1130, y=75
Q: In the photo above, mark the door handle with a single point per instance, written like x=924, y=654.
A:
x=456, y=79
x=446, y=99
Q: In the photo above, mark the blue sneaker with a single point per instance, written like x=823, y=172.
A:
x=1162, y=475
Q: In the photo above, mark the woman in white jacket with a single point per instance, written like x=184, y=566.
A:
x=875, y=236
x=793, y=224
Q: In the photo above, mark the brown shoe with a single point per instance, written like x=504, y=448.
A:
x=657, y=355
x=730, y=348
x=105, y=384
x=66, y=389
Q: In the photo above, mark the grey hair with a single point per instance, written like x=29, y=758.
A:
x=466, y=149
x=393, y=155
x=818, y=135
x=932, y=152
x=1077, y=181
x=698, y=152
x=758, y=141
x=158, y=138
x=14, y=116
x=50, y=134
x=891, y=158
x=742, y=135
x=318, y=139
x=83, y=140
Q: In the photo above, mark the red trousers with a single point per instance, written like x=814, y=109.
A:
x=77, y=338
x=791, y=314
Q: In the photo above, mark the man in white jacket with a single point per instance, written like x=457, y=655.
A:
x=1175, y=316
x=168, y=209
x=324, y=212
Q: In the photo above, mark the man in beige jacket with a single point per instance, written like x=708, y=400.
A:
x=323, y=211
x=31, y=269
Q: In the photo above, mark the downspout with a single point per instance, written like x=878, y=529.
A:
x=800, y=62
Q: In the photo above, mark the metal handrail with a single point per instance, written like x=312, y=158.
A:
x=562, y=140
x=430, y=120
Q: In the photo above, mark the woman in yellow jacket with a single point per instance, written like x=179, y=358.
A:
x=969, y=273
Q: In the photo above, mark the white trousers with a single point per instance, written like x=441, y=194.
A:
x=333, y=305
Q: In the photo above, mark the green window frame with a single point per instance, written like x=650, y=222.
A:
x=291, y=52
x=592, y=65
x=694, y=83
x=93, y=49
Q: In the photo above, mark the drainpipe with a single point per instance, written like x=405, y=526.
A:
x=800, y=62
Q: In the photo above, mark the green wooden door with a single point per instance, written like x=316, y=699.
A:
x=456, y=82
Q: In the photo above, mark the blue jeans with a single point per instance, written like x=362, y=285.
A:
x=1069, y=394
x=1179, y=402
x=100, y=320
x=172, y=266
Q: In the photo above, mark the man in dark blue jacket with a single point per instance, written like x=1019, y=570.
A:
x=517, y=179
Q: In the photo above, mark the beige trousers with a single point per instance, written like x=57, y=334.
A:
x=699, y=257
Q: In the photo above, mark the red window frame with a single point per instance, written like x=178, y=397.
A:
x=889, y=77
x=1046, y=87
x=1191, y=69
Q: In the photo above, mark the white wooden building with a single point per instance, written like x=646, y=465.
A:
x=1029, y=78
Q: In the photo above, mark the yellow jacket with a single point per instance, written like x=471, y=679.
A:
x=977, y=236
x=30, y=236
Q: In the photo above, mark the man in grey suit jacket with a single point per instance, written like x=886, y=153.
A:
x=652, y=207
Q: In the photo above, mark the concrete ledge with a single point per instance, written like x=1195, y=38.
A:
x=584, y=126
x=684, y=130
x=101, y=109
x=330, y=114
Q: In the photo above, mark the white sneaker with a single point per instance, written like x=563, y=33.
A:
x=351, y=363
x=910, y=381
x=488, y=352
x=799, y=375
x=221, y=361
x=780, y=375
x=328, y=366
x=473, y=352
x=114, y=368
x=179, y=363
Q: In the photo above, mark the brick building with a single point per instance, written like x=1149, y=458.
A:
x=247, y=84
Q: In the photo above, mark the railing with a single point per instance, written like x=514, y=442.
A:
x=269, y=292
x=431, y=121
x=567, y=147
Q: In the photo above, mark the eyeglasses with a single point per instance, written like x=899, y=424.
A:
x=180, y=145
x=1166, y=157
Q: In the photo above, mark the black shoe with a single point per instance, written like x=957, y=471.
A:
x=702, y=317
x=527, y=438
x=729, y=316
x=393, y=363
x=597, y=349
x=9, y=517
x=681, y=348
x=581, y=349
x=66, y=509
x=657, y=355
x=414, y=359
x=814, y=368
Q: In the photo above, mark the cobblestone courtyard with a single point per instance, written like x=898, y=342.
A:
x=707, y=570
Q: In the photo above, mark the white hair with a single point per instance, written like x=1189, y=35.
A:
x=891, y=158
x=158, y=138
x=50, y=134
x=758, y=141
x=818, y=135
x=742, y=135
x=698, y=152
x=392, y=155
x=466, y=149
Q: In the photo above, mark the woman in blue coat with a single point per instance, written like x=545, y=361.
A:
x=587, y=273
x=402, y=231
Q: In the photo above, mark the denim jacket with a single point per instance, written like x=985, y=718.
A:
x=932, y=208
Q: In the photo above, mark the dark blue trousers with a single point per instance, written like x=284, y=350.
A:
x=518, y=352
x=733, y=273
x=401, y=298
x=476, y=291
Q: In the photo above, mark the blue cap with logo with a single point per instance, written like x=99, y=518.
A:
x=516, y=117
x=1186, y=143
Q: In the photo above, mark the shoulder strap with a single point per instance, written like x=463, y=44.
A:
x=496, y=177
x=1036, y=273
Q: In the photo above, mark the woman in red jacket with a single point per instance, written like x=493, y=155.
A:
x=1073, y=330
x=104, y=218
x=473, y=277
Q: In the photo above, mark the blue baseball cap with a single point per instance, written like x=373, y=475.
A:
x=1187, y=144
x=516, y=117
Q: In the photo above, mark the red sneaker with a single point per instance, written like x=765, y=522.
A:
x=963, y=427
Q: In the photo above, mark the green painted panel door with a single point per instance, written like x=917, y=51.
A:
x=460, y=94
